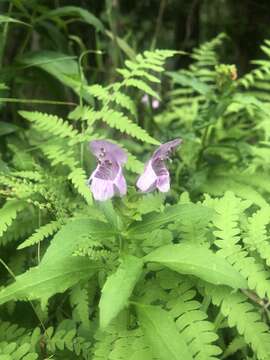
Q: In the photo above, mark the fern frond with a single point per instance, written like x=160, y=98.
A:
x=123, y=100
x=59, y=154
x=10, y=332
x=80, y=303
x=8, y=213
x=193, y=230
x=226, y=220
x=99, y=92
x=141, y=85
x=78, y=179
x=192, y=322
x=95, y=251
x=257, y=237
x=12, y=351
x=119, y=121
x=42, y=233
x=244, y=316
x=50, y=124
x=16, y=231
x=124, y=345
x=29, y=175
x=65, y=337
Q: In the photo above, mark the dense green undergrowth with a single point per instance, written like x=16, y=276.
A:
x=183, y=275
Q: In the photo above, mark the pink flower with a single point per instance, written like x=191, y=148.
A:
x=107, y=179
x=155, y=174
x=155, y=102
x=145, y=99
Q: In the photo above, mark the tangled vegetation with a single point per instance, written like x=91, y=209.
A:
x=154, y=276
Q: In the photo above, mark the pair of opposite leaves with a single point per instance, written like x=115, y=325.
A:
x=108, y=180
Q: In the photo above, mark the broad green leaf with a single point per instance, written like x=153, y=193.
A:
x=162, y=333
x=61, y=66
x=118, y=288
x=173, y=213
x=44, y=281
x=66, y=241
x=198, y=261
x=72, y=11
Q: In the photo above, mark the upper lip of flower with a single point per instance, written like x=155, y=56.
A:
x=105, y=150
x=156, y=174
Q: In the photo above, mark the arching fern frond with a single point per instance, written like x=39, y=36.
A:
x=78, y=179
x=257, y=237
x=191, y=321
x=13, y=351
x=42, y=233
x=228, y=235
x=8, y=213
x=65, y=337
x=119, y=121
x=50, y=124
x=244, y=316
x=80, y=303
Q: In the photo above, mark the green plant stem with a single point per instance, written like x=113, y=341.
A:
x=205, y=304
x=158, y=24
x=109, y=7
x=4, y=35
x=218, y=320
x=204, y=145
x=38, y=245
x=8, y=269
x=37, y=101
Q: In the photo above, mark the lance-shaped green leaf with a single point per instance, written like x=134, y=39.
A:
x=118, y=288
x=162, y=333
x=74, y=11
x=61, y=66
x=173, y=213
x=44, y=281
x=8, y=19
x=198, y=261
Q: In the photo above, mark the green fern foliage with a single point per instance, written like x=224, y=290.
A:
x=41, y=233
x=244, y=316
x=78, y=178
x=8, y=213
x=192, y=322
x=50, y=124
x=159, y=276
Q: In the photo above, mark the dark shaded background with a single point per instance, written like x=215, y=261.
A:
x=177, y=24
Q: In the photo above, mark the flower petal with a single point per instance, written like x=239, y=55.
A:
x=163, y=183
x=120, y=184
x=105, y=150
x=145, y=99
x=102, y=190
x=147, y=180
x=165, y=149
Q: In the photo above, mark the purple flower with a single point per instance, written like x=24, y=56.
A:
x=155, y=174
x=107, y=179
